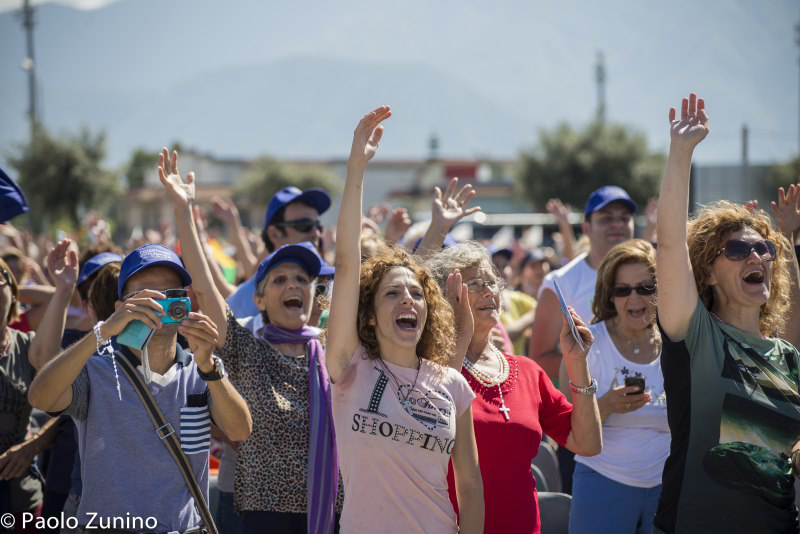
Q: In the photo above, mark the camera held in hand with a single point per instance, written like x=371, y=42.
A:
x=176, y=306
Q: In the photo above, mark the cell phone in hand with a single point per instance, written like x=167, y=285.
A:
x=635, y=381
x=570, y=321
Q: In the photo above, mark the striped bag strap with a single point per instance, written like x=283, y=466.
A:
x=166, y=434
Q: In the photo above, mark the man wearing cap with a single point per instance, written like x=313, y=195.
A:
x=127, y=471
x=292, y=217
x=608, y=221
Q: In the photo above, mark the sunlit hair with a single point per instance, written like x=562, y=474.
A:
x=13, y=313
x=463, y=256
x=628, y=252
x=708, y=231
x=102, y=291
x=437, y=343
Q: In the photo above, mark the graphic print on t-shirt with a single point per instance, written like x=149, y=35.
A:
x=431, y=408
x=761, y=378
x=753, y=451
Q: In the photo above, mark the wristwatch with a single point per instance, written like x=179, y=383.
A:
x=588, y=391
x=217, y=374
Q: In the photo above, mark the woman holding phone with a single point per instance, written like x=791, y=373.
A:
x=618, y=490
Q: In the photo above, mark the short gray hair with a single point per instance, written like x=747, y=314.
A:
x=463, y=256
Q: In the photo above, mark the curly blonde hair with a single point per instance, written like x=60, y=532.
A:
x=437, y=343
x=708, y=231
x=632, y=251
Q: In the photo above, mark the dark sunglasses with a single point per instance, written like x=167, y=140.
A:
x=738, y=250
x=302, y=225
x=625, y=291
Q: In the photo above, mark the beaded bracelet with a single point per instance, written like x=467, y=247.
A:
x=99, y=337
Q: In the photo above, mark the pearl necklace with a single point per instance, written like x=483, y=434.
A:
x=488, y=381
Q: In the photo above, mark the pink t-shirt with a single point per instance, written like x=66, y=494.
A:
x=394, y=444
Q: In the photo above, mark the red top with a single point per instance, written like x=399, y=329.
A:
x=506, y=448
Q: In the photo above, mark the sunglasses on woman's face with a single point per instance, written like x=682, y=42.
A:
x=738, y=250
x=625, y=291
x=303, y=226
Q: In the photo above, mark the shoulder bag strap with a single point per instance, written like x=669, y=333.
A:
x=166, y=434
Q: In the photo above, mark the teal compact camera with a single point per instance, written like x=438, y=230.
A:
x=176, y=307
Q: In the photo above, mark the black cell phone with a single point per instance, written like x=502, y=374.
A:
x=636, y=381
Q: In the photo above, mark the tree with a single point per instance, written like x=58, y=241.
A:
x=569, y=164
x=783, y=174
x=63, y=176
x=267, y=176
x=140, y=161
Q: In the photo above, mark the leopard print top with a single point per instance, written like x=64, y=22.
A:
x=272, y=468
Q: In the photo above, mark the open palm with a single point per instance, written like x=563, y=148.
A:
x=692, y=127
x=787, y=209
x=62, y=264
x=182, y=192
x=451, y=206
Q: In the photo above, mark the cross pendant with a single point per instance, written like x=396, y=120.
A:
x=505, y=411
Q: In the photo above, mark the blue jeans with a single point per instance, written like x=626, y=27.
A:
x=601, y=505
x=228, y=521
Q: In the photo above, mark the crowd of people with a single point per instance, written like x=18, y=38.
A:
x=367, y=379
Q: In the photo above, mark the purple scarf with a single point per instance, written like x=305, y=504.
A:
x=323, y=464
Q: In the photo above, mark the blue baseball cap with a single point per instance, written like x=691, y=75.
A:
x=95, y=263
x=604, y=196
x=151, y=256
x=327, y=269
x=12, y=200
x=316, y=198
x=303, y=254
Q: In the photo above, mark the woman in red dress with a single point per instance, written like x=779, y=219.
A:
x=515, y=401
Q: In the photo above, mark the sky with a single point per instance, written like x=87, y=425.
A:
x=251, y=77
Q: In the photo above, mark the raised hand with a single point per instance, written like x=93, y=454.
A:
x=398, y=224
x=449, y=208
x=62, y=264
x=457, y=295
x=570, y=347
x=367, y=136
x=181, y=192
x=225, y=210
x=692, y=127
x=751, y=205
x=557, y=209
x=787, y=210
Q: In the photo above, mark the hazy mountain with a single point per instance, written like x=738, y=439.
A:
x=245, y=77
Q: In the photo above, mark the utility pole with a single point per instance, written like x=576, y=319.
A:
x=28, y=64
x=600, y=78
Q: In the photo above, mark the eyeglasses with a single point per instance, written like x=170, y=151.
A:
x=738, y=250
x=168, y=293
x=625, y=291
x=477, y=285
x=302, y=225
x=322, y=288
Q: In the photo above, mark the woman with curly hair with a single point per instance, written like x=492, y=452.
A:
x=730, y=370
x=399, y=411
x=618, y=490
x=516, y=401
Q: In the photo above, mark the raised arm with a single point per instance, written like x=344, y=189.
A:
x=182, y=194
x=62, y=264
x=224, y=287
x=342, y=335
x=787, y=215
x=446, y=210
x=560, y=212
x=226, y=211
x=678, y=298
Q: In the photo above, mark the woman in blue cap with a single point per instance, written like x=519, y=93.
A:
x=287, y=472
